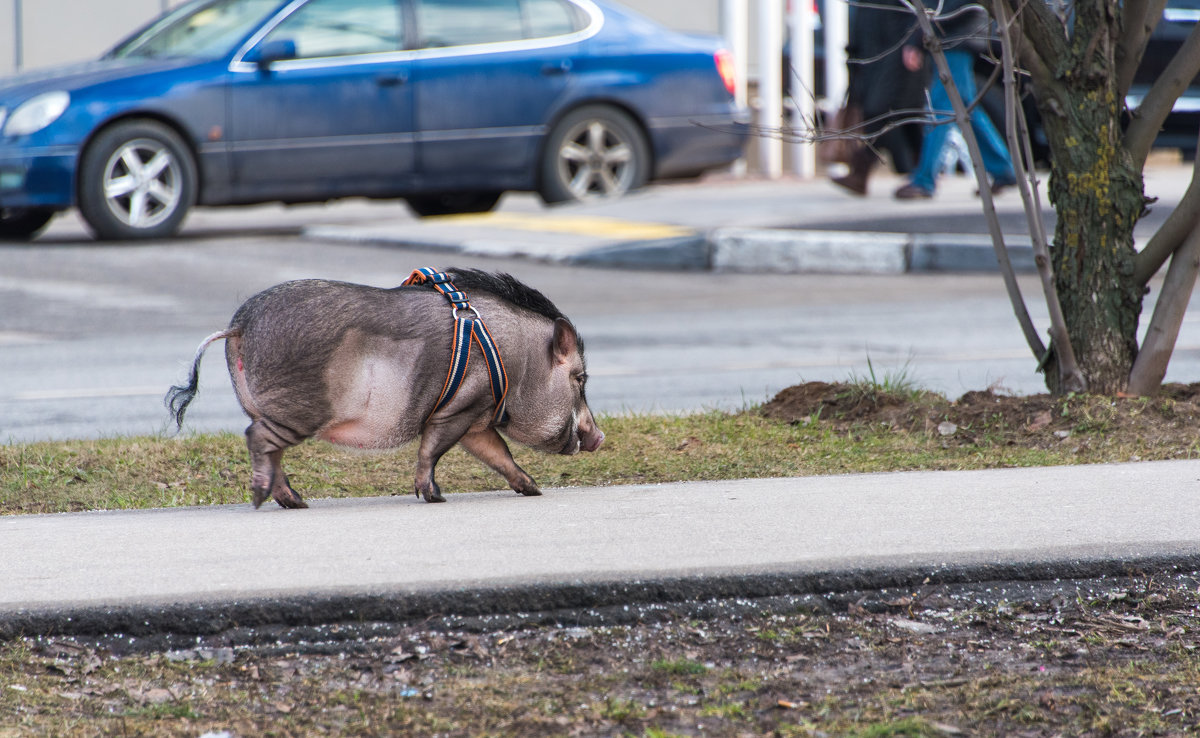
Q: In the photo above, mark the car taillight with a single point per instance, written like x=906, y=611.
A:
x=724, y=60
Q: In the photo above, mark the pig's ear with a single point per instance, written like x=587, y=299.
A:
x=565, y=343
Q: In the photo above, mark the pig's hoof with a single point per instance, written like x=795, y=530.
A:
x=291, y=503
x=287, y=498
x=431, y=493
x=260, y=496
x=529, y=490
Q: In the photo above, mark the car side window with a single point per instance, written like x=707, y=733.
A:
x=323, y=28
x=462, y=22
x=550, y=18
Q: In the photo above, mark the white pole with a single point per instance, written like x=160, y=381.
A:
x=735, y=27
x=770, y=86
x=18, y=37
x=804, y=160
x=837, y=33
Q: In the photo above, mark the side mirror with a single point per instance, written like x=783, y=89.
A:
x=265, y=54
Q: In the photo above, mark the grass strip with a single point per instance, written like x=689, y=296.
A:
x=147, y=472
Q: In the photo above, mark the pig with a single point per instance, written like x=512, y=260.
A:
x=363, y=367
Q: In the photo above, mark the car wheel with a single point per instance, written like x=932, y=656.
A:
x=136, y=180
x=596, y=151
x=452, y=203
x=22, y=224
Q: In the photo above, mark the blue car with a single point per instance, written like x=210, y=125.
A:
x=445, y=103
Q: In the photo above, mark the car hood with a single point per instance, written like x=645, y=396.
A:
x=79, y=76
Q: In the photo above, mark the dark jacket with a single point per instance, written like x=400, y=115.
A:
x=879, y=83
x=961, y=24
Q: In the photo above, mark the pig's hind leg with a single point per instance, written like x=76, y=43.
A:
x=267, y=443
x=487, y=446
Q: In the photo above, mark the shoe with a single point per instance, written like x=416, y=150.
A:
x=1000, y=185
x=852, y=182
x=912, y=192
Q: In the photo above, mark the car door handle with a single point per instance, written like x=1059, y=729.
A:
x=391, y=79
x=558, y=67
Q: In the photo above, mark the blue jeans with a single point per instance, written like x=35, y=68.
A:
x=996, y=159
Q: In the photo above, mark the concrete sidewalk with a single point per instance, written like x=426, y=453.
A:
x=748, y=225
x=200, y=570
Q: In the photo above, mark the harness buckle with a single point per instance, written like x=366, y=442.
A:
x=468, y=307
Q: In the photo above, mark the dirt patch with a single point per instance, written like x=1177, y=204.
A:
x=1170, y=419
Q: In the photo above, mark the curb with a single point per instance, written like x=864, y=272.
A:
x=743, y=250
x=605, y=602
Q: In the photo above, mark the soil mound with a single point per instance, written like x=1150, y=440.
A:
x=1170, y=418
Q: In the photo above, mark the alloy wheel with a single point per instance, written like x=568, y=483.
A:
x=142, y=183
x=595, y=159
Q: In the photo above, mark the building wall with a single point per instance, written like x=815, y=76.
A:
x=62, y=31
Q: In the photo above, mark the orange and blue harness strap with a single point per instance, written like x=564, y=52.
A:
x=467, y=327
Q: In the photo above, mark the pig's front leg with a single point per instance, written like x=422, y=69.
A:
x=439, y=436
x=432, y=447
x=487, y=446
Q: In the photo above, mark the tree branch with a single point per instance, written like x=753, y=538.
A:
x=1150, y=366
x=1139, y=18
x=1070, y=378
x=1035, y=25
x=1170, y=235
x=1040, y=27
x=1148, y=117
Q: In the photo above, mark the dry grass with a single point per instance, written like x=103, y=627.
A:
x=214, y=469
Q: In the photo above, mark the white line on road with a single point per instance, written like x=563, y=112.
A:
x=90, y=393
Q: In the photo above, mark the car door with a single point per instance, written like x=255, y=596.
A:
x=486, y=76
x=328, y=111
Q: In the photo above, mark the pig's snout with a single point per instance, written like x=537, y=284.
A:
x=590, y=436
x=591, y=441
x=584, y=435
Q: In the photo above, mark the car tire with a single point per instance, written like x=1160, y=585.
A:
x=594, y=151
x=452, y=203
x=22, y=224
x=137, y=180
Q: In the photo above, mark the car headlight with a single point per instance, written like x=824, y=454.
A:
x=36, y=113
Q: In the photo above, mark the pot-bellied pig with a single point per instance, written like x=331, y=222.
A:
x=375, y=368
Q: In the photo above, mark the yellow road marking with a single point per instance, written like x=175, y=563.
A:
x=577, y=224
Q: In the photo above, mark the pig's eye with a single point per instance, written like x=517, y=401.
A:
x=581, y=379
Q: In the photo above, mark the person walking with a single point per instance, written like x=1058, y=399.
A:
x=882, y=87
x=963, y=32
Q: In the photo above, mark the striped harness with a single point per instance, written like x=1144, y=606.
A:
x=467, y=326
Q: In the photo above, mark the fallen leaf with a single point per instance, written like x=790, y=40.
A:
x=913, y=626
x=1041, y=420
x=157, y=696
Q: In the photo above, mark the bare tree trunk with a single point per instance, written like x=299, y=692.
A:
x=1094, y=256
x=1097, y=192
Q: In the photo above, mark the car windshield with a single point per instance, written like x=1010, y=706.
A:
x=203, y=29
